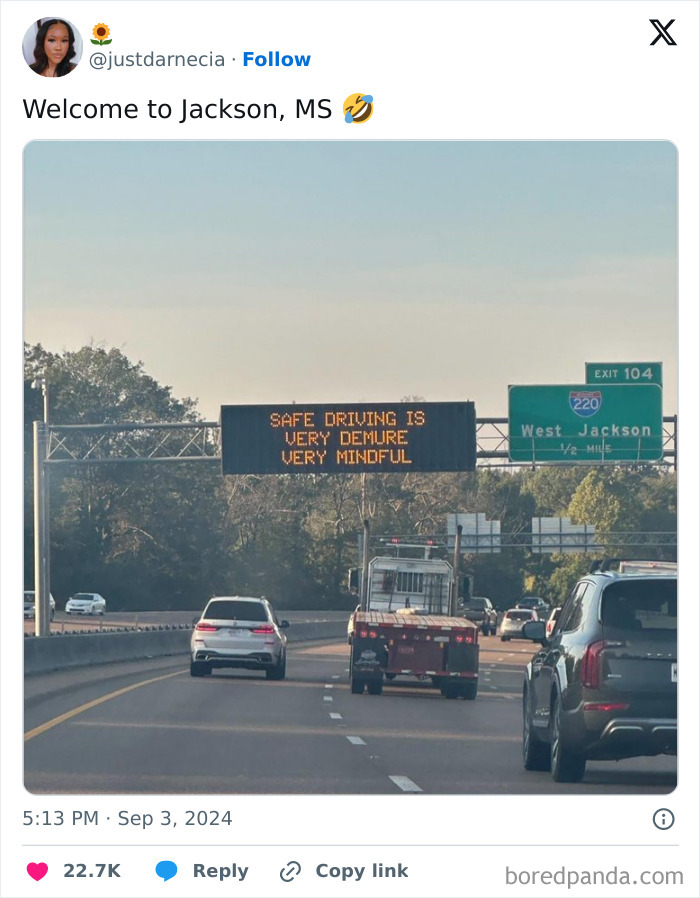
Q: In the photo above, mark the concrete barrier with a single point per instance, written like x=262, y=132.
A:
x=82, y=650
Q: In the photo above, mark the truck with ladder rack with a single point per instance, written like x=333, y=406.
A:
x=406, y=628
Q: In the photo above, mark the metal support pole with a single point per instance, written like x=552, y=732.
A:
x=455, y=570
x=42, y=607
x=365, y=564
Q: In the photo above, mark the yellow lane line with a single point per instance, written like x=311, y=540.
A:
x=50, y=724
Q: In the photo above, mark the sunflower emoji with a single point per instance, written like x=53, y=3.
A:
x=100, y=34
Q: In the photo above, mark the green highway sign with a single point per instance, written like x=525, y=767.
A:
x=609, y=373
x=585, y=424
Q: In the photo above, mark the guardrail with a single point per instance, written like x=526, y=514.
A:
x=63, y=651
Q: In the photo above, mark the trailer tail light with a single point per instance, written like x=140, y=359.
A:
x=206, y=628
x=266, y=628
x=592, y=662
x=467, y=638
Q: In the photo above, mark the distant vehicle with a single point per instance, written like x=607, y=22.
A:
x=512, y=623
x=480, y=611
x=604, y=686
x=239, y=631
x=30, y=604
x=552, y=621
x=86, y=603
x=536, y=604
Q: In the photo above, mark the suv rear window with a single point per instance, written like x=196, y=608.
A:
x=519, y=615
x=233, y=609
x=642, y=605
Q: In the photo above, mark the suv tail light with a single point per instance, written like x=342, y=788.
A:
x=592, y=662
x=266, y=628
x=206, y=628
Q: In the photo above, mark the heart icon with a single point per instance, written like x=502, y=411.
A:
x=37, y=871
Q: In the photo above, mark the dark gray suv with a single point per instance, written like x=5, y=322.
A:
x=604, y=685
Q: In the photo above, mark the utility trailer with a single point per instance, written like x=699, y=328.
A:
x=407, y=630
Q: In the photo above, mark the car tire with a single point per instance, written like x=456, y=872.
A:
x=279, y=671
x=536, y=754
x=485, y=630
x=374, y=687
x=505, y=638
x=199, y=668
x=567, y=765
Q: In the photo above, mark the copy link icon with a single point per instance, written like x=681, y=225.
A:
x=290, y=872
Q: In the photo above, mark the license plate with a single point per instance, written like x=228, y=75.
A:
x=236, y=632
x=674, y=672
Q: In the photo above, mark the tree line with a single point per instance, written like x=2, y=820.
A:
x=169, y=536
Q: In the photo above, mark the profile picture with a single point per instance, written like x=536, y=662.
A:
x=52, y=47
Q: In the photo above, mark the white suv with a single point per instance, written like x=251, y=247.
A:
x=239, y=631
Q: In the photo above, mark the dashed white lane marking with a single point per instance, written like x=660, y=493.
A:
x=327, y=698
x=336, y=716
x=405, y=784
x=329, y=686
x=355, y=740
x=335, y=677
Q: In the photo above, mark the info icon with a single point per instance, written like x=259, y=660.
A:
x=663, y=818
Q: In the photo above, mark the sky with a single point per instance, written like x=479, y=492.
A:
x=279, y=272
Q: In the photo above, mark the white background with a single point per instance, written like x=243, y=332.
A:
x=498, y=70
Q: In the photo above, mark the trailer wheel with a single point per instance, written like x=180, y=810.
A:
x=451, y=690
x=357, y=686
x=469, y=690
x=374, y=687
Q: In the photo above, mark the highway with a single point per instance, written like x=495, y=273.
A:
x=148, y=727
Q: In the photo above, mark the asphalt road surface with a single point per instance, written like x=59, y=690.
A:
x=148, y=727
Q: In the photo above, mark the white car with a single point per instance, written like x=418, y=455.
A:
x=239, y=631
x=513, y=621
x=86, y=603
x=30, y=602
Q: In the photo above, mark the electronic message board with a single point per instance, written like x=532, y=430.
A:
x=333, y=439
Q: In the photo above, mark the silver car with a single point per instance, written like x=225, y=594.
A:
x=30, y=604
x=513, y=621
x=86, y=603
x=239, y=631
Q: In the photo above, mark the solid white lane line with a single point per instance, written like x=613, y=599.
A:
x=405, y=784
x=336, y=716
x=355, y=740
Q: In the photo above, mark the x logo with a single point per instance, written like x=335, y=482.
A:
x=663, y=32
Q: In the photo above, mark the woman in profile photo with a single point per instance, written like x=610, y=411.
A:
x=54, y=49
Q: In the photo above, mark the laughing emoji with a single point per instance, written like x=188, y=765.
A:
x=358, y=108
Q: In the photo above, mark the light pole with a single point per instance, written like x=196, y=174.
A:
x=42, y=558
